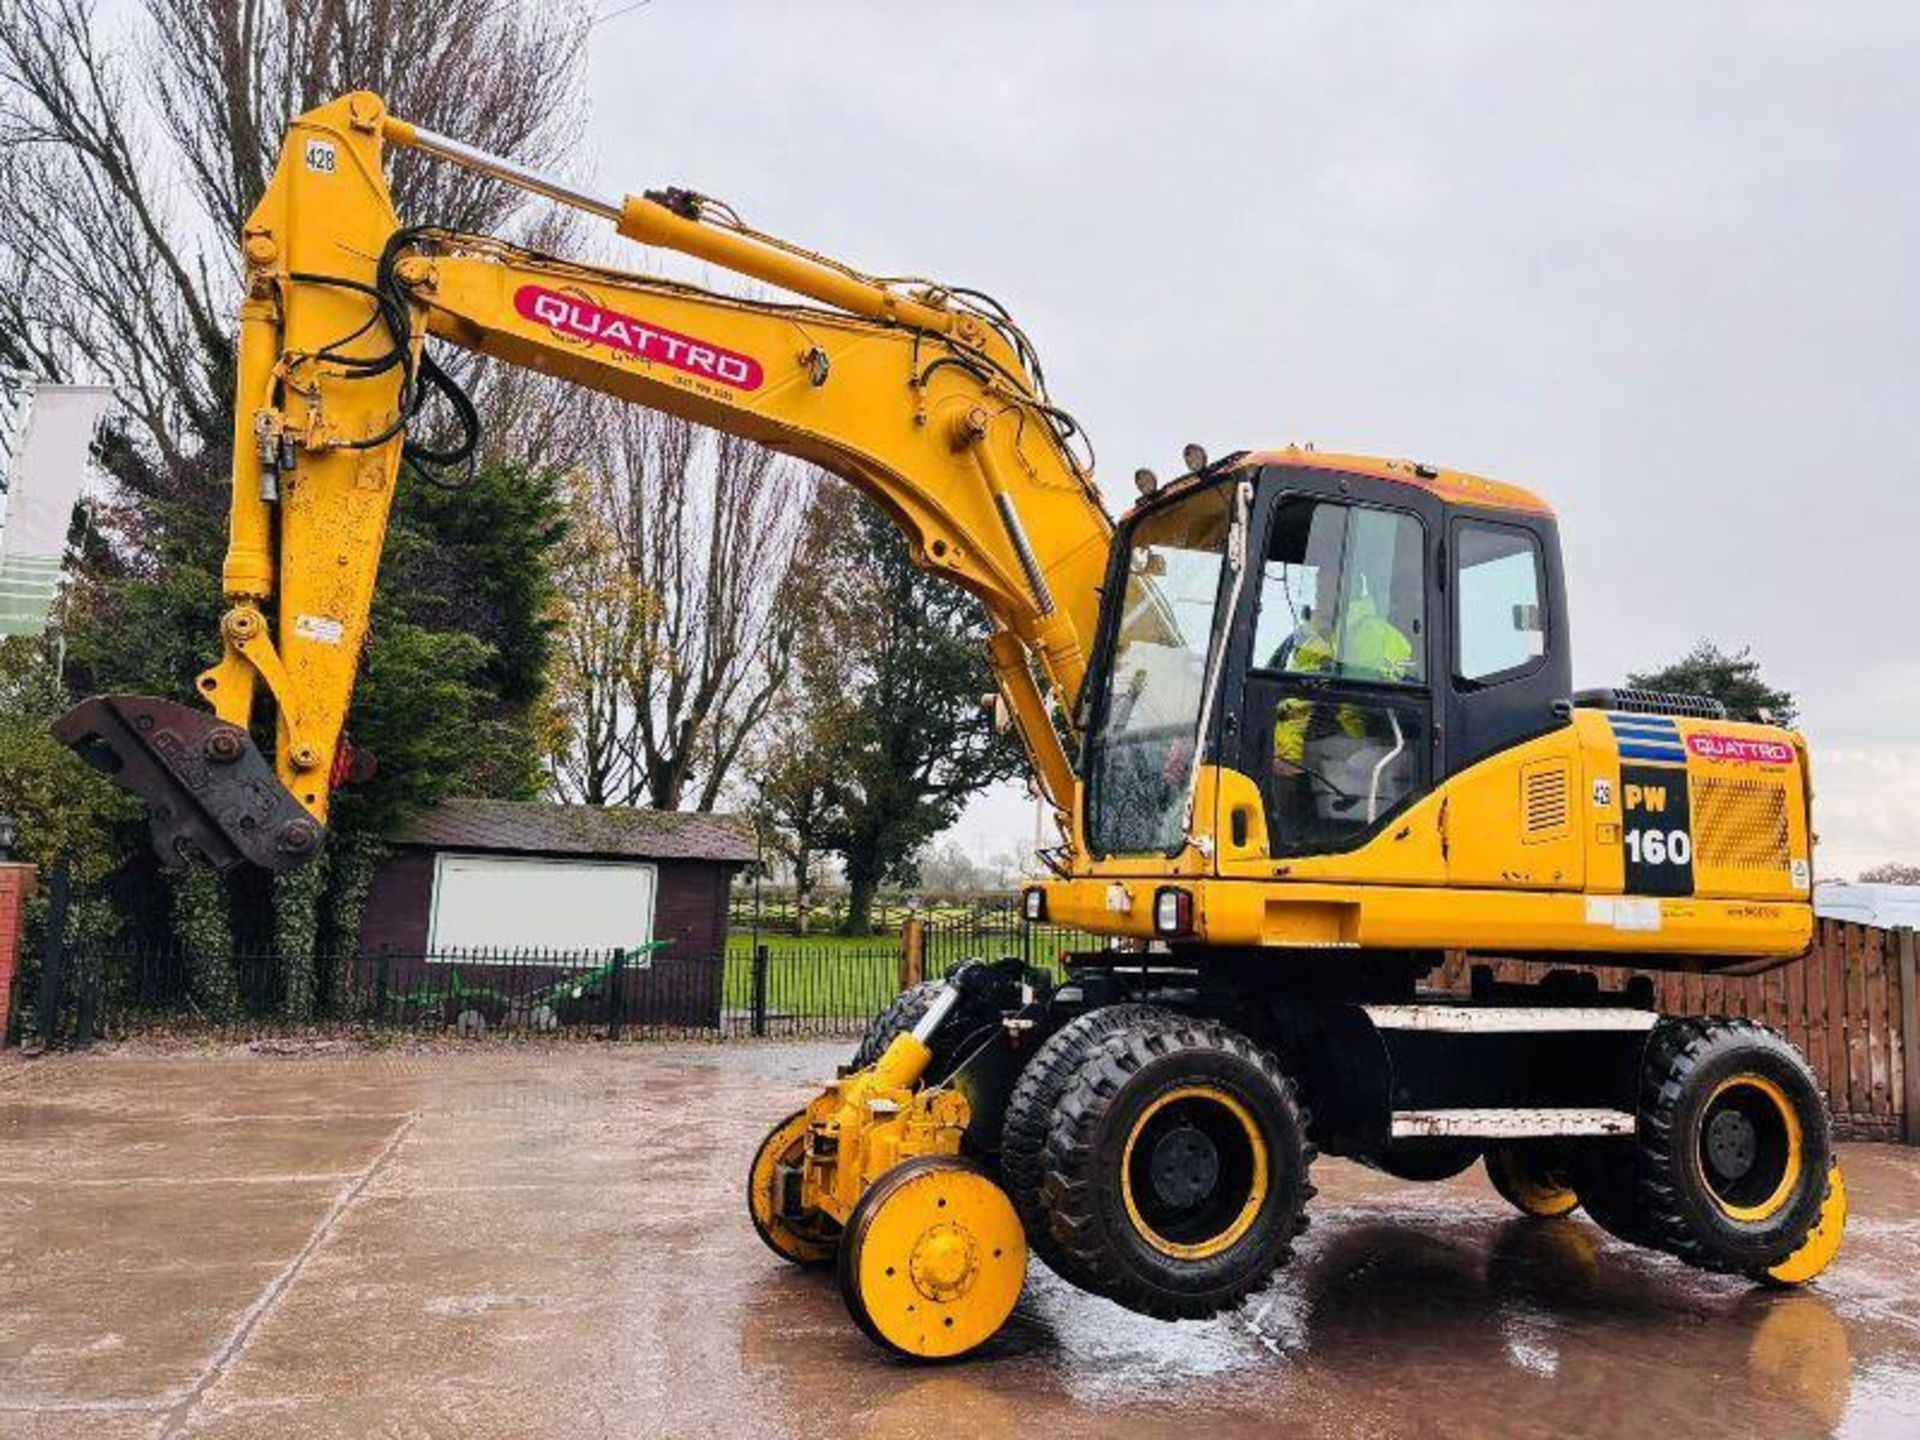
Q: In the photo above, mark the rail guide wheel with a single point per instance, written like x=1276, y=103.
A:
x=812, y=1241
x=1817, y=1251
x=933, y=1258
x=1533, y=1177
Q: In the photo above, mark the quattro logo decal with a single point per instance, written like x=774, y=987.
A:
x=581, y=319
x=1711, y=745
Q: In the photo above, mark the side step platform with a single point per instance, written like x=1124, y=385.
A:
x=1448, y=1070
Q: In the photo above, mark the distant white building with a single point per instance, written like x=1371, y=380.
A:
x=1890, y=907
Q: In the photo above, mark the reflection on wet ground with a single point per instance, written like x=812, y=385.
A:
x=517, y=1241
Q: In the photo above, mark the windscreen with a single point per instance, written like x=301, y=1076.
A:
x=1148, y=726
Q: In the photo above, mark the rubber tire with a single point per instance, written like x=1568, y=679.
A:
x=1607, y=1180
x=901, y=1014
x=1157, y=1051
x=1036, y=1096
x=1686, y=1061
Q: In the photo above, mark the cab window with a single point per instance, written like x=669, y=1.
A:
x=1502, y=626
x=1147, y=729
x=1335, y=701
x=1342, y=594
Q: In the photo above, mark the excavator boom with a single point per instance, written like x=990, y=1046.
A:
x=927, y=401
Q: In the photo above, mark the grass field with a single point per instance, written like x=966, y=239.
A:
x=828, y=982
x=840, y=977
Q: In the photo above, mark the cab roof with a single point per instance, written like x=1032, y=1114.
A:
x=1456, y=487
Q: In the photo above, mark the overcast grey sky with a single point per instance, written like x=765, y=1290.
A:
x=1658, y=262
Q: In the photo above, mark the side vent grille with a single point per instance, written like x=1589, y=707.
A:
x=1544, y=801
x=1740, y=824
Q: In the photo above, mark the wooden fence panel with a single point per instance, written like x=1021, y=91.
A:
x=1839, y=1052
x=1873, y=979
x=1825, y=1042
x=1853, y=1007
x=1909, y=1023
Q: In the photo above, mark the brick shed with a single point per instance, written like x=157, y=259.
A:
x=477, y=878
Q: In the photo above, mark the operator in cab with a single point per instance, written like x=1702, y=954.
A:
x=1363, y=626
x=1367, y=646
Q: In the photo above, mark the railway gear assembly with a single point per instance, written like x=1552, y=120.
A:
x=1306, y=720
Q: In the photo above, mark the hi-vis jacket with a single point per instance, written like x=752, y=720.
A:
x=1369, y=648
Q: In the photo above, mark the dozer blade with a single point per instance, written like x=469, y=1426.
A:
x=210, y=794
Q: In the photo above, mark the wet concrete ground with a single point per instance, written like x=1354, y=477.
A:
x=519, y=1242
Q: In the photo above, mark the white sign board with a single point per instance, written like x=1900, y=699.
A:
x=512, y=902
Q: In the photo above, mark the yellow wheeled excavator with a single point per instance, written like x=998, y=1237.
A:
x=1306, y=721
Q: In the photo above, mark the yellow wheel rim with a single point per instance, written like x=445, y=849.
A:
x=810, y=1242
x=938, y=1259
x=1817, y=1251
x=1749, y=1149
x=1195, y=1172
x=1536, y=1190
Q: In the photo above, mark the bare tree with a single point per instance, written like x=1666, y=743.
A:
x=117, y=278
x=684, y=592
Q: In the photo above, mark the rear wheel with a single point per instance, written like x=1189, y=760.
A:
x=1736, y=1155
x=1176, y=1167
x=1534, y=1177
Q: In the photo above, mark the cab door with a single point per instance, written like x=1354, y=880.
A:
x=1329, y=709
x=1520, y=793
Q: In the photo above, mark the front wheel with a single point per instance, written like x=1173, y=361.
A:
x=1031, y=1107
x=1176, y=1167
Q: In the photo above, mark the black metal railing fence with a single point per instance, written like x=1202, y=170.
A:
x=765, y=984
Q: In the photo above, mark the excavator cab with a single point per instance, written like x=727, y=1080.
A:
x=1344, y=636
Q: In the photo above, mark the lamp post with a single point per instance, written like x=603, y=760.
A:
x=9, y=833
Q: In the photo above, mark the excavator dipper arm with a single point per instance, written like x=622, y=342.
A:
x=929, y=404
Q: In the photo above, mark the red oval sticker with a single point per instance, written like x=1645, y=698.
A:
x=582, y=319
x=1712, y=745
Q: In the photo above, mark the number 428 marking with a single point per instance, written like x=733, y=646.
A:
x=1660, y=847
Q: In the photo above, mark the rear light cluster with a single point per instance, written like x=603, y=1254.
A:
x=1034, y=904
